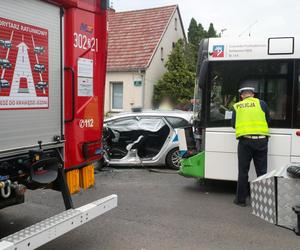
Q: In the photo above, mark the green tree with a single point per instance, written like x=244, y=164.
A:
x=196, y=33
x=193, y=32
x=211, y=31
x=202, y=32
x=178, y=82
x=191, y=54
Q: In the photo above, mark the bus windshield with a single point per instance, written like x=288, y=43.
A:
x=197, y=101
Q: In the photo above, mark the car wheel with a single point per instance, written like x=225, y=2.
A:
x=173, y=159
x=100, y=164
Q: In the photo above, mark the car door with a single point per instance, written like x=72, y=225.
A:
x=125, y=131
x=156, y=133
x=180, y=123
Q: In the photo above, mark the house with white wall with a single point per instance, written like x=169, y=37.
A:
x=138, y=48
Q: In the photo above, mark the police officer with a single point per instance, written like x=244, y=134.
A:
x=250, y=119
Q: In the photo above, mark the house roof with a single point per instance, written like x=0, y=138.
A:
x=135, y=35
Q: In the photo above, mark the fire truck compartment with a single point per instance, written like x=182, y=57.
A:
x=28, y=112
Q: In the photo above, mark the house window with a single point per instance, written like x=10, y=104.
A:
x=162, y=57
x=116, y=95
x=173, y=45
x=176, y=23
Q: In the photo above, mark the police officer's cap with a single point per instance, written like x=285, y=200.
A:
x=246, y=89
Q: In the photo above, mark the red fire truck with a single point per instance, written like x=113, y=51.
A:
x=52, y=79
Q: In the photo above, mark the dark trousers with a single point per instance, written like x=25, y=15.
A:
x=248, y=149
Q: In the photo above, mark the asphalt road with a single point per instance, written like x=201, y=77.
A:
x=156, y=211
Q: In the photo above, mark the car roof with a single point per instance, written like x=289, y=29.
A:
x=158, y=113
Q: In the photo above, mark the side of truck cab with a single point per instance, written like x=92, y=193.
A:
x=50, y=130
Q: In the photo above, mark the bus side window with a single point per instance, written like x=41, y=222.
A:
x=277, y=98
x=272, y=80
x=297, y=109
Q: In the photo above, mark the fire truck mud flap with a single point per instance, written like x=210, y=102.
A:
x=45, y=171
x=49, y=229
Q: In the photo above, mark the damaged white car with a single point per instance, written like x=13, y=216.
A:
x=144, y=138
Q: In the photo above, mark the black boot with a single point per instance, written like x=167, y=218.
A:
x=239, y=203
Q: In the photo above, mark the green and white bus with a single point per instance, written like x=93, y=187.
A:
x=273, y=64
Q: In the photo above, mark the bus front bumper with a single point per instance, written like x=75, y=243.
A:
x=193, y=166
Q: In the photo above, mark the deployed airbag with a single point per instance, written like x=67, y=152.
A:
x=151, y=125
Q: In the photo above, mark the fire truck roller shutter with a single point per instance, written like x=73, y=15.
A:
x=30, y=108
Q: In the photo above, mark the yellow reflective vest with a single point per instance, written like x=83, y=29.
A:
x=250, y=118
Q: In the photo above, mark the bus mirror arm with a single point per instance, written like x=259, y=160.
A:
x=203, y=73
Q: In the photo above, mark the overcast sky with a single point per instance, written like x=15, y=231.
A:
x=267, y=17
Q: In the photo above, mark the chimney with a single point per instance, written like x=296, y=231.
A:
x=111, y=10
